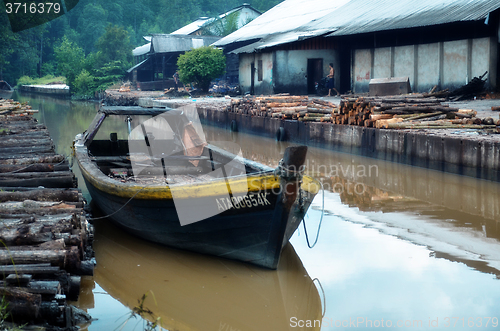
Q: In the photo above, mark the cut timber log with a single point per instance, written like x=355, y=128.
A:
x=63, y=179
x=26, y=159
x=437, y=126
x=294, y=109
x=42, y=195
x=470, y=112
x=420, y=116
x=32, y=269
x=376, y=117
x=383, y=124
x=68, y=259
x=22, y=305
x=37, y=167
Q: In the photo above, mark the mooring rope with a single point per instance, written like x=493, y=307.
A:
x=320, y=220
x=116, y=211
x=323, y=304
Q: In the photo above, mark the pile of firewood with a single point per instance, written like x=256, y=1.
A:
x=415, y=111
x=285, y=107
x=11, y=107
x=408, y=112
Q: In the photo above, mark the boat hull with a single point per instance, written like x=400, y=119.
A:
x=244, y=233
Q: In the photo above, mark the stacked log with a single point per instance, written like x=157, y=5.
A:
x=415, y=111
x=284, y=107
x=46, y=239
x=11, y=107
x=408, y=112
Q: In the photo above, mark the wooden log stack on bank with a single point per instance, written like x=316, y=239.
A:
x=285, y=107
x=410, y=112
x=414, y=111
x=44, y=235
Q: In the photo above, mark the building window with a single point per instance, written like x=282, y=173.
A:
x=259, y=70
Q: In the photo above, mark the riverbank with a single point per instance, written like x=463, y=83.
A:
x=47, y=241
x=60, y=90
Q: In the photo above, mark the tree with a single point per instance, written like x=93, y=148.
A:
x=201, y=65
x=91, y=24
x=70, y=60
x=114, y=45
x=8, y=43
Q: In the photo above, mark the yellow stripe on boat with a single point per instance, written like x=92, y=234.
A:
x=249, y=183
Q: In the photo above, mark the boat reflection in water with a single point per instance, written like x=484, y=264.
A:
x=191, y=291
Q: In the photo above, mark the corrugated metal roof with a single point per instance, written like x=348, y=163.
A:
x=137, y=65
x=192, y=27
x=141, y=50
x=165, y=43
x=287, y=16
x=295, y=19
x=196, y=25
x=361, y=16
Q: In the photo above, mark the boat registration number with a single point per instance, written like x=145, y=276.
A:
x=247, y=201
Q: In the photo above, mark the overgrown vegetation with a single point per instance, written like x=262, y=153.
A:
x=47, y=79
x=201, y=65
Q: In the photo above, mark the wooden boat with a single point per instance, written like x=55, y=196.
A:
x=249, y=215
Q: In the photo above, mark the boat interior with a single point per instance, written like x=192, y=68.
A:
x=114, y=158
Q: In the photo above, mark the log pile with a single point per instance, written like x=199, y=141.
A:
x=409, y=112
x=284, y=106
x=46, y=239
x=415, y=111
x=10, y=107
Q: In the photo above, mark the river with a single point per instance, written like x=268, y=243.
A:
x=398, y=246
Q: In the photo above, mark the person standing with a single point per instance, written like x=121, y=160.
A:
x=331, y=81
x=176, y=80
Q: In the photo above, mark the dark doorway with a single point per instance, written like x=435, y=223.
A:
x=252, y=78
x=497, y=86
x=344, y=73
x=314, y=74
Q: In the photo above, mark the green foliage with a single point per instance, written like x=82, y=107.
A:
x=92, y=34
x=84, y=83
x=4, y=314
x=201, y=65
x=114, y=45
x=88, y=83
x=48, y=68
x=70, y=59
x=221, y=26
x=92, y=23
x=27, y=80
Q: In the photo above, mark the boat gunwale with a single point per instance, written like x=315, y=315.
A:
x=263, y=179
x=256, y=182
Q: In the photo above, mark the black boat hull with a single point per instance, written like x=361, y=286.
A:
x=243, y=234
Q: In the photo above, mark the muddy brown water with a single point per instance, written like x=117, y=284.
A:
x=398, y=246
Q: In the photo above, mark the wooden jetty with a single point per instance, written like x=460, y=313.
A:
x=45, y=239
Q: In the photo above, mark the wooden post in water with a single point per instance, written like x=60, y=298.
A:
x=291, y=164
